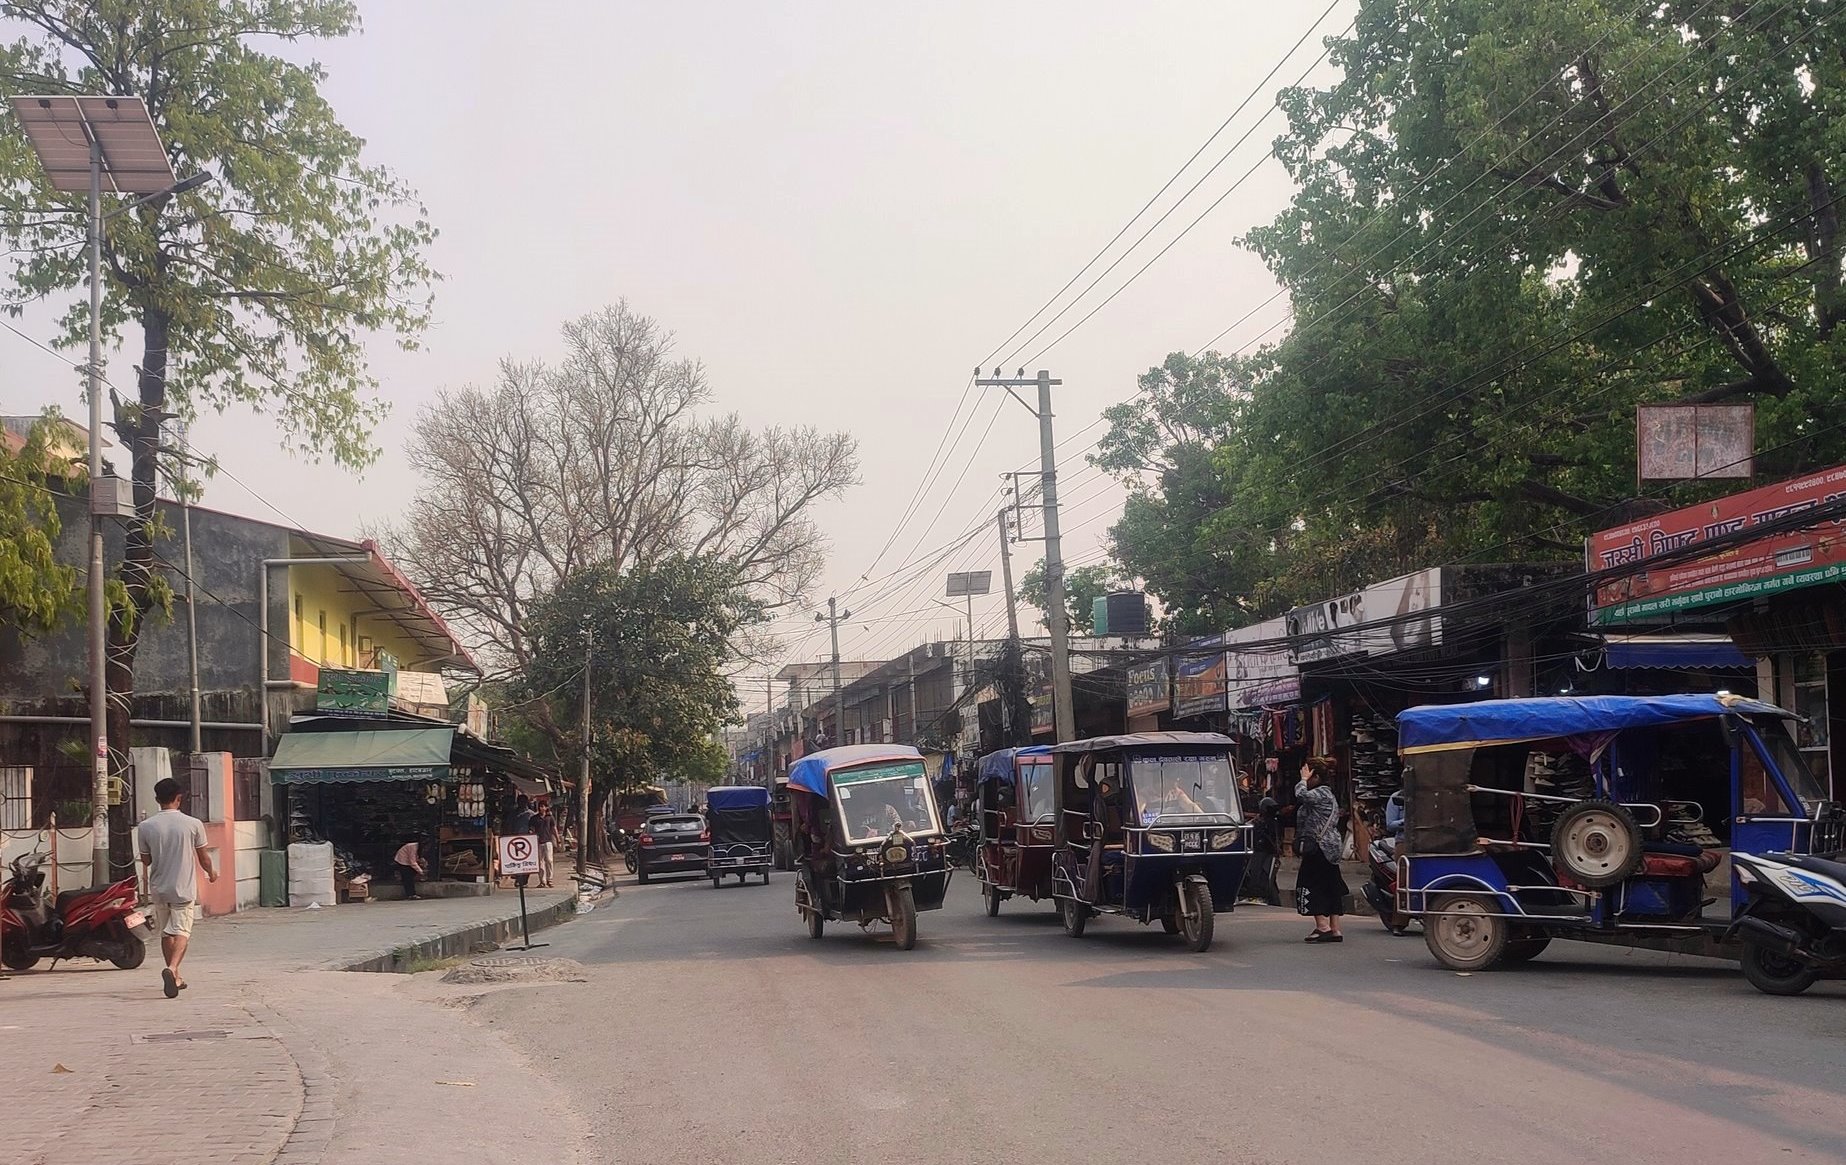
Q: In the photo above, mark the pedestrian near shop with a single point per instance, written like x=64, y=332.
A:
x=409, y=861
x=1265, y=855
x=173, y=851
x=546, y=827
x=1320, y=891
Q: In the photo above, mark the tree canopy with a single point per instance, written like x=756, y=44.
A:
x=1513, y=224
x=603, y=460
x=1082, y=587
x=260, y=289
x=37, y=592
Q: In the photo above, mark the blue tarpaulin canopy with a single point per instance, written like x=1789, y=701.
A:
x=737, y=797
x=1437, y=727
x=811, y=773
x=998, y=766
x=1673, y=651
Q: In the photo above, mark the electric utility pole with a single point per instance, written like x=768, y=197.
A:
x=1006, y=576
x=1064, y=713
x=832, y=619
x=192, y=614
x=583, y=776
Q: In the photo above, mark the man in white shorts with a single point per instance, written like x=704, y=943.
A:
x=173, y=850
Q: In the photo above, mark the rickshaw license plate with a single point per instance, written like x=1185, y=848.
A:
x=135, y=918
x=679, y=857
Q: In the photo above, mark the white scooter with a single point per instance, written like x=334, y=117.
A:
x=1794, y=925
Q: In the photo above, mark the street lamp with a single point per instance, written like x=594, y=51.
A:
x=85, y=144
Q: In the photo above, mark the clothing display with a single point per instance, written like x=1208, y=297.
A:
x=1376, y=771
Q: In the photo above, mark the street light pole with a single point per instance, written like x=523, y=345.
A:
x=99, y=627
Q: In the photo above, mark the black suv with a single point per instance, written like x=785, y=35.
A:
x=676, y=843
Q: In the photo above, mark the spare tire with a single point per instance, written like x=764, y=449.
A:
x=1596, y=843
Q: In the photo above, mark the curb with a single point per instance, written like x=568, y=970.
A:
x=462, y=941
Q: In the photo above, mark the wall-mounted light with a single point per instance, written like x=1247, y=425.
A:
x=1483, y=681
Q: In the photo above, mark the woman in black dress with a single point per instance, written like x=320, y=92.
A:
x=1319, y=888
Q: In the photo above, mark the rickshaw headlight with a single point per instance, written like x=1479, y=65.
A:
x=1160, y=841
x=896, y=853
x=1224, y=839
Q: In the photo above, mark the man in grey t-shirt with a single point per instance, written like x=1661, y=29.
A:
x=173, y=849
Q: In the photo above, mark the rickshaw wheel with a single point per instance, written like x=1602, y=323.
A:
x=1524, y=950
x=992, y=897
x=1463, y=935
x=1075, y=916
x=1170, y=924
x=1774, y=974
x=903, y=909
x=1196, y=928
x=1597, y=843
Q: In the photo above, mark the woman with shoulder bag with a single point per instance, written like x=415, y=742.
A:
x=1320, y=891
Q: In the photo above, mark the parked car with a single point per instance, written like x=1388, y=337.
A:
x=672, y=843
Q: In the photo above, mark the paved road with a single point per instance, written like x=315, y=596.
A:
x=723, y=1034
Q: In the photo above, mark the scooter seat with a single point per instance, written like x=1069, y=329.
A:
x=66, y=897
x=1814, y=865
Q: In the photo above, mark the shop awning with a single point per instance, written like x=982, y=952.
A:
x=415, y=754
x=1674, y=651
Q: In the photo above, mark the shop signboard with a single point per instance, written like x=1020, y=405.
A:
x=1392, y=616
x=1042, y=716
x=1255, y=673
x=1747, y=570
x=353, y=693
x=1198, y=682
x=1150, y=687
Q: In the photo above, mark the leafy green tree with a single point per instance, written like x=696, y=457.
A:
x=258, y=290
x=658, y=637
x=37, y=592
x=1513, y=224
x=1082, y=587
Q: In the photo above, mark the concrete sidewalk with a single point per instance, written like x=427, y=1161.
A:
x=254, y=1061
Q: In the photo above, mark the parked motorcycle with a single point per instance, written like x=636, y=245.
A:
x=1381, y=888
x=1794, y=925
x=964, y=845
x=91, y=923
x=628, y=845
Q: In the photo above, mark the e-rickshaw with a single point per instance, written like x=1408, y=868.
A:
x=1016, y=815
x=738, y=818
x=868, y=839
x=1148, y=827
x=1498, y=861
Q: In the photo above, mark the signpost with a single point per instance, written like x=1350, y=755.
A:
x=519, y=859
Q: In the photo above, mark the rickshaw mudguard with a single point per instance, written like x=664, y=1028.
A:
x=1425, y=876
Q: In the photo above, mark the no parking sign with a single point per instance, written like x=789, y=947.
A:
x=519, y=854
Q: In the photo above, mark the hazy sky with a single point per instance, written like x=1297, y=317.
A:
x=839, y=208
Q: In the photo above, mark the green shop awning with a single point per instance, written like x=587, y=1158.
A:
x=414, y=754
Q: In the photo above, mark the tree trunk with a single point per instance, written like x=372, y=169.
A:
x=138, y=428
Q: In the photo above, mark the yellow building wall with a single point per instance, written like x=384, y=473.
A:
x=318, y=593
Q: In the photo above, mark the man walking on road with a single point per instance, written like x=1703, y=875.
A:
x=545, y=826
x=173, y=851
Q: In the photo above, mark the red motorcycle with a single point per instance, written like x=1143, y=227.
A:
x=91, y=923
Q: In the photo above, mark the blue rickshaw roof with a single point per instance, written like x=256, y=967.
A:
x=736, y=796
x=998, y=766
x=1437, y=727
x=811, y=772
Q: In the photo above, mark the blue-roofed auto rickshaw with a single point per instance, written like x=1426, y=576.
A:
x=1597, y=818
x=868, y=839
x=741, y=835
x=1148, y=827
x=1016, y=815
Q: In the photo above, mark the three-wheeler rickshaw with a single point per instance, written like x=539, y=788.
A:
x=741, y=837
x=868, y=839
x=1499, y=856
x=1148, y=827
x=1016, y=815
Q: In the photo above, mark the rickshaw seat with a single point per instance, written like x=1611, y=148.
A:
x=1655, y=865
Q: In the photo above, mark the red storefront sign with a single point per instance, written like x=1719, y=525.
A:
x=1744, y=570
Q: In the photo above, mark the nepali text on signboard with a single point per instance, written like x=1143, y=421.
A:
x=1149, y=688
x=355, y=693
x=1777, y=562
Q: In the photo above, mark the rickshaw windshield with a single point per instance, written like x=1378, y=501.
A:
x=876, y=799
x=1802, y=780
x=1036, y=790
x=1167, y=786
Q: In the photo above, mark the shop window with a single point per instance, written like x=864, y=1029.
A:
x=344, y=661
x=321, y=654
x=301, y=628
